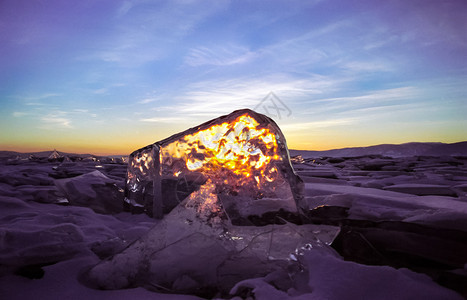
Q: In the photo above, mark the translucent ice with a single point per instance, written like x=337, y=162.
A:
x=185, y=254
x=202, y=183
x=238, y=163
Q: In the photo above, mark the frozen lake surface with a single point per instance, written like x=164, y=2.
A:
x=402, y=229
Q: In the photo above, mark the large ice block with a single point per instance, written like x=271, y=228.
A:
x=239, y=164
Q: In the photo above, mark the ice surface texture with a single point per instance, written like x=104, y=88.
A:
x=93, y=190
x=185, y=254
x=35, y=233
x=239, y=162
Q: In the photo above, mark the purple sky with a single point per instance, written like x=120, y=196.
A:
x=112, y=76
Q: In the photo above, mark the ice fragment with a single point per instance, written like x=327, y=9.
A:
x=239, y=162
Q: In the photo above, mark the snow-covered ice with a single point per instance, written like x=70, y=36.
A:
x=204, y=255
x=46, y=246
x=330, y=277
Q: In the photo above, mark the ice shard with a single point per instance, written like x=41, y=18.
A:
x=239, y=164
x=202, y=183
x=183, y=253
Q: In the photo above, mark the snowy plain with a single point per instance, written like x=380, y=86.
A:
x=402, y=221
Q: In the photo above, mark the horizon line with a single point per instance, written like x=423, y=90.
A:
x=311, y=150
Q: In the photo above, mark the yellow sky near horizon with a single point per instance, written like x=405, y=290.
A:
x=122, y=144
x=79, y=76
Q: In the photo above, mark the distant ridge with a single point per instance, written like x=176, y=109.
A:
x=42, y=154
x=392, y=150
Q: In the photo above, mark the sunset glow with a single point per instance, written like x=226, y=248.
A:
x=108, y=77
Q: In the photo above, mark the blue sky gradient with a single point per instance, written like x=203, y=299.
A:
x=111, y=76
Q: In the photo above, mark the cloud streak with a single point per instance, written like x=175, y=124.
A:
x=318, y=125
x=218, y=56
x=56, y=120
x=399, y=93
x=131, y=44
x=162, y=120
x=222, y=95
x=19, y=114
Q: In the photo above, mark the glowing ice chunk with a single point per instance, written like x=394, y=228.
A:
x=243, y=154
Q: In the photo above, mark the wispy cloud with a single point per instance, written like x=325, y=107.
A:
x=313, y=125
x=146, y=31
x=361, y=101
x=37, y=98
x=163, y=120
x=366, y=66
x=100, y=91
x=18, y=114
x=306, y=49
x=226, y=95
x=124, y=8
x=34, y=104
x=436, y=25
x=56, y=120
x=208, y=99
x=148, y=100
x=85, y=112
x=218, y=56
x=389, y=94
